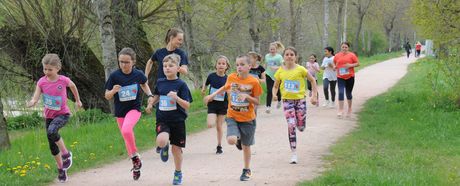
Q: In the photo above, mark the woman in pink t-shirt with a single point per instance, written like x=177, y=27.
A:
x=53, y=88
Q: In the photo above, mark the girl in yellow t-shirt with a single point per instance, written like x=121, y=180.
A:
x=291, y=77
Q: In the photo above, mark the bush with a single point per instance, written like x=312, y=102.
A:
x=25, y=121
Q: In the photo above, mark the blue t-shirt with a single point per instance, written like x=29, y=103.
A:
x=216, y=82
x=167, y=108
x=160, y=54
x=129, y=96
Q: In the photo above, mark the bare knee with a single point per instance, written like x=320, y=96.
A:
x=231, y=140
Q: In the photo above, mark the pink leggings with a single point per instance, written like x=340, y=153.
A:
x=126, y=126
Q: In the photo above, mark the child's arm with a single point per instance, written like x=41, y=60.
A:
x=254, y=100
x=314, y=97
x=275, y=88
x=110, y=93
x=152, y=102
x=203, y=89
x=145, y=87
x=148, y=67
x=35, y=97
x=263, y=77
x=316, y=67
x=74, y=90
x=183, y=103
x=209, y=97
x=183, y=69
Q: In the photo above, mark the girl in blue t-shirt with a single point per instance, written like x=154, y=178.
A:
x=217, y=109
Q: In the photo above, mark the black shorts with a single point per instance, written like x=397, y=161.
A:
x=218, y=107
x=176, y=131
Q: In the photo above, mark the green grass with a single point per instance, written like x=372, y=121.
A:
x=402, y=139
x=92, y=145
x=366, y=61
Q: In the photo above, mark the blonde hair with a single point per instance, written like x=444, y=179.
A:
x=172, y=58
x=52, y=59
x=226, y=60
x=278, y=45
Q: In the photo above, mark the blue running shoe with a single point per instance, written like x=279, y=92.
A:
x=164, y=153
x=177, y=178
x=246, y=175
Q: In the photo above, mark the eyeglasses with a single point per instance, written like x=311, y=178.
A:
x=124, y=62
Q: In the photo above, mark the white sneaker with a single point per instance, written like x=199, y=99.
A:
x=294, y=159
x=278, y=105
x=267, y=110
x=331, y=104
x=326, y=103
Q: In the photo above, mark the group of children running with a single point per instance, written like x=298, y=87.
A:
x=233, y=98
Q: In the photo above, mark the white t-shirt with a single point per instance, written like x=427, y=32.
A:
x=329, y=72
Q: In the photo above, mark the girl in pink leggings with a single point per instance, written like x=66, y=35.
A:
x=124, y=87
x=290, y=79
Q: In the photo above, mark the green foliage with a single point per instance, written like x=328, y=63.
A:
x=89, y=116
x=401, y=140
x=25, y=121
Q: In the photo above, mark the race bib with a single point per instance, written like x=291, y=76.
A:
x=254, y=75
x=218, y=97
x=271, y=63
x=344, y=71
x=52, y=102
x=292, y=86
x=236, y=101
x=128, y=93
x=167, y=103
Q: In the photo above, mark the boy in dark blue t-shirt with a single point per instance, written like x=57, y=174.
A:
x=173, y=98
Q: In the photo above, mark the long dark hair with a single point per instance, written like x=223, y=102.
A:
x=330, y=49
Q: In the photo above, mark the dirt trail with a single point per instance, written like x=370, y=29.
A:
x=271, y=153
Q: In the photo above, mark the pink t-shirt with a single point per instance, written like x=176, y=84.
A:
x=54, y=96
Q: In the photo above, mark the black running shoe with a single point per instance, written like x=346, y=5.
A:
x=246, y=175
x=164, y=154
x=238, y=144
x=137, y=164
x=158, y=149
x=219, y=150
x=67, y=160
x=62, y=175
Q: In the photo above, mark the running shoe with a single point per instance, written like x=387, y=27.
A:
x=67, y=161
x=219, y=150
x=278, y=105
x=177, y=178
x=164, y=153
x=62, y=175
x=267, y=110
x=246, y=175
x=238, y=144
x=294, y=159
x=158, y=149
x=137, y=164
x=326, y=103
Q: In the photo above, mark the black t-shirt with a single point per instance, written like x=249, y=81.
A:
x=167, y=108
x=160, y=54
x=216, y=82
x=257, y=72
x=129, y=96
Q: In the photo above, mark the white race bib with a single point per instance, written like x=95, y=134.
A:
x=167, y=103
x=218, y=97
x=128, y=93
x=52, y=102
x=292, y=86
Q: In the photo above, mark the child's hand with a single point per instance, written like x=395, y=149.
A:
x=78, y=104
x=203, y=92
x=148, y=109
x=242, y=97
x=116, y=88
x=275, y=97
x=314, y=99
x=31, y=103
x=172, y=94
x=207, y=99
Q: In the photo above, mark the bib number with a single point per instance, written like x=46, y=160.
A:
x=128, y=93
x=236, y=101
x=292, y=86
x=344, y=71
x=167, y=103
x=52, y=102
x=218, y=97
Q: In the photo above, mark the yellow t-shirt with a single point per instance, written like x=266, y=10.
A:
x=292, y=82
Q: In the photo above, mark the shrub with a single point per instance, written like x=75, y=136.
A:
x=25, y=121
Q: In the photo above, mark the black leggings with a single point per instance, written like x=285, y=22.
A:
x=346, y=85
x=270, y=83
x=52, y=129
x=309, y=86
x=329, y=84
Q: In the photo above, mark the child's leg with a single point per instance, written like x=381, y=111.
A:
x=233, y=133
x=325, y=88
x=211, y=120
x=246, y=156
x=52, y=131
x=332, y=85
x=220, y=121
x=301, y=114
x=289, y=113
x=126, y=126
x=341, y=84
x=349, y=88
x=270, y=83
x=177, y=154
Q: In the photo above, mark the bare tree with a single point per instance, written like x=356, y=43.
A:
x=326, y=23
x=4, y=138
x=253, y=26
x=362, y=6
x=340, y=4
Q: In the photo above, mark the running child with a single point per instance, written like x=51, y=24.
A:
x=291, y=77
x=217, y=108
x=123, y=86
x=273, y=61
x=174, y=100
x=256, y=70
x=53, y=87
x=329, y=76
x=313, y=68
x=243, y=91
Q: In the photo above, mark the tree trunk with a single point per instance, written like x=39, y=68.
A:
x=292, y=25
x=253, y=27
x=109, y=51
x=26, y=47
x=129, y=32
x=345, y=15
x=362, y=11
x=326, y=24
x=4, y=138
x=339, y=24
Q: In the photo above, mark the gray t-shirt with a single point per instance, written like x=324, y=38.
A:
x=329, y=72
